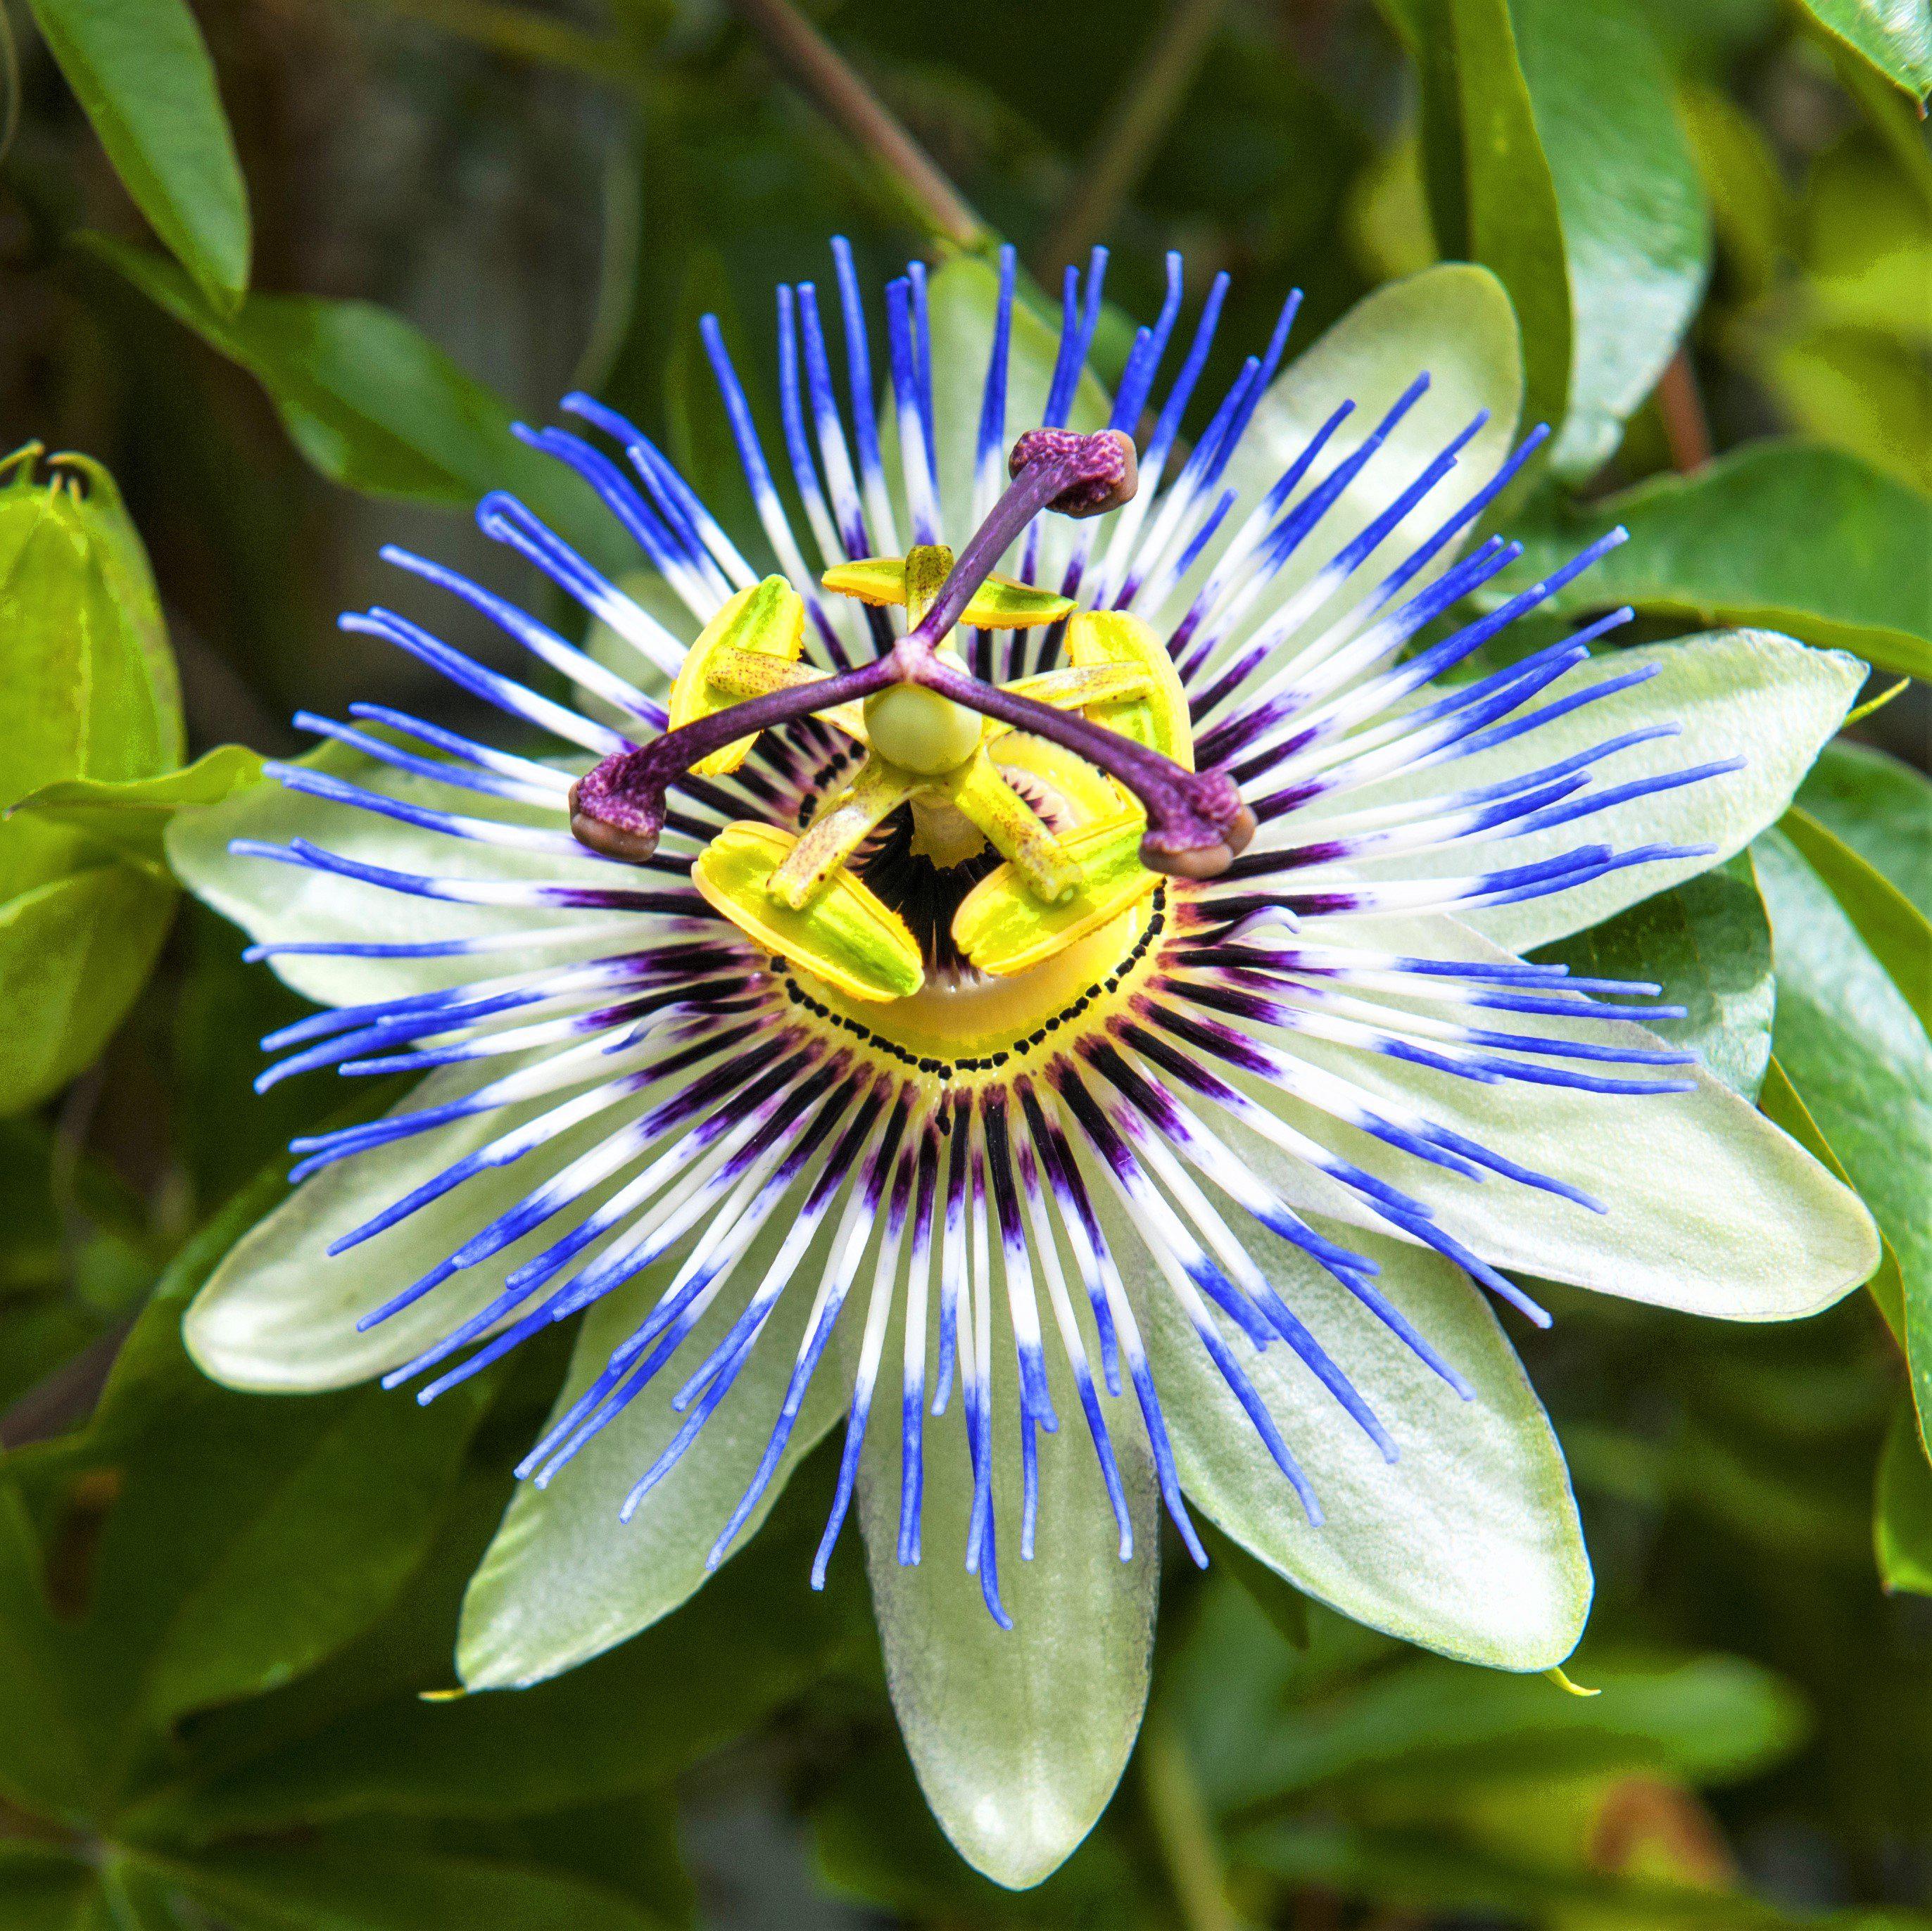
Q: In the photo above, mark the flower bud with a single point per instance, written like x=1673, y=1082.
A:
x=88, y=689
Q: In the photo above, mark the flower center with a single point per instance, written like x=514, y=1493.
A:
x=940, y=745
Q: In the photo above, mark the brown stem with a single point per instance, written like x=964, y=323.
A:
x=66, y=1398
x=1682, y=408
x=810, y=62
x=1184, y=1831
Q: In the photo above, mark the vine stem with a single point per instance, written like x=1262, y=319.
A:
x=808, y=59
x=1685, y=430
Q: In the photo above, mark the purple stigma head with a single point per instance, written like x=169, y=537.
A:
x=1104, y=471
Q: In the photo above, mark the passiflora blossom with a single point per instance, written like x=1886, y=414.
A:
x=1028, y=971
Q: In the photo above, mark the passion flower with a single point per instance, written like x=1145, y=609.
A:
x=1047, y=968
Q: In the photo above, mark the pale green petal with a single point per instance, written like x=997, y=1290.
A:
x=1711, y=1208
x=564, y=1578
x=1453, y=323
x=279, y=1314
x=1019, y=1736
x=1742, y=693
x=273, y=902
x=1469, y=1543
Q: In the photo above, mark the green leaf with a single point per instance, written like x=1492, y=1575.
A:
x=1898, y=126
x=151, y=1368
x=1285, y=1606
x=1862, y=1064
x=1750, y=205
x=74, y=953
x=317, y=1558
x=1783, y=534
x=1895, y=931
x=1469, y=1544
x=1492, y=196
x=1707, y=942
x=238, y=1541
x=370, y=402
x=1779, y=1102
x=1860, y=390
x=1425, y=1868
x=57, y=1726
x=354, y=1885
x=635, y=1719
x=1902, y=1515
x=1637, y=236
x=1880, y=807
x=141, y=70
x=43, y=1889
x=42, y=1763
x=1868, y=236
x=1019, y=1735
x=1895, y=35
x=630, y=1843
x=133, y=1899
x=74, y=1259
x=1268, y=1728
x=129, y=818
x=1842, y=349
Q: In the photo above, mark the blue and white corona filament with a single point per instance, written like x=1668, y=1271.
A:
x=933, y=948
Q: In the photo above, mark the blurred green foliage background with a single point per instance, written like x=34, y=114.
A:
x=218, y=1616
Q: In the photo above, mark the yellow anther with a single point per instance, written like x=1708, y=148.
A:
x=740, y=673
x=1091, y=684
x=767, y=619
x=1158, y=719
x=927, y=567
x=848, y=938
x=1003, y=927
x=999, y=603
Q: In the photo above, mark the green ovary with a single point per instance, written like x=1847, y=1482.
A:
x=919, y=730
